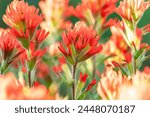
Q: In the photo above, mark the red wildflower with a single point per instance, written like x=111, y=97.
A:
x=132, y=10
x=42, y=70
x=24, y=21
x=22, y=18
x=62, y=60
x=36, y=84
x=40, y=36
x=9, y=46
x=83, y=77
x=80, y=43
x=12, y=89
x=91, y=85
x=57, y=69
x=101, y=8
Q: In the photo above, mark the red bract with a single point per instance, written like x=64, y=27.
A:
x=40, y=36
x=79, y=43
x=24, y=21
x=128, y=57
x=96, y=7
x=83, y=77
x=91, y=85
x=23, y=18
x=9, y=46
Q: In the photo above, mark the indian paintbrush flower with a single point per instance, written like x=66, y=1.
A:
x=79, y=43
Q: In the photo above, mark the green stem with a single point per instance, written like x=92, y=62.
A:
x=29, y=79
x=74, y=80
x=94, y=66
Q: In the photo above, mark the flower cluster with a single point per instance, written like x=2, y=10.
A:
x=95, y=50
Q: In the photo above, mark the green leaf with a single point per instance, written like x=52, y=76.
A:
x=69, y=83
x=83, y=53
x=31, y=64
x=73, y=50
x=67, y=73
x=83, y=95
x=138, y=53
x=79, y=88
x=25, y=42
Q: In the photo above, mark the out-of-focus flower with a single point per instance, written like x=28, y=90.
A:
x=137, y=90
x=130, y=35
x=53, y=49
x=42, y=70
x=113, y=85
x=59, y=68
x=11, y=88
x=109, y=84
x=79, y=43
x=132, y=10
x=95, y=12
x=55, y=14
x=115, y=47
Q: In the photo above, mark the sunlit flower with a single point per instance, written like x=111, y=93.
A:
x=79, y=43
x=54, y=12
x=132, y=10
x=11, y=88
x=113, y=85
x=22, y=18
x=109, y=84
x=137, y=90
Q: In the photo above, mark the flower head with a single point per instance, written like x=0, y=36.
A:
x=94, y=12
x=132, y=10
x=83, y=77
x=91, y=85
x=24, y=21
x=110, y=83
x=80, y=43
x=22, y=17
x=54, y=13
